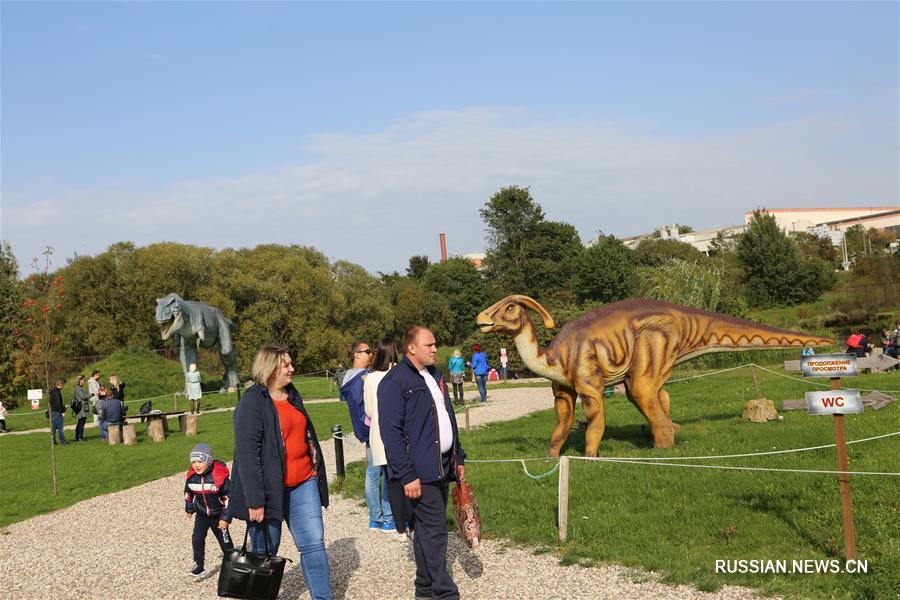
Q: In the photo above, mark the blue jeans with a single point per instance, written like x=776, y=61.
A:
x=104, y=429
x=56, y=427
x=377, y=497
x=303, y=513
x=481, y=382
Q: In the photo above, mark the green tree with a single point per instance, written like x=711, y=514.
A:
x=418, y=266
x=655, y=252
x=813, y=246
x=605, y=271
x=460, y=284
x=774, y=271
x=527, y=254
x=12, y=386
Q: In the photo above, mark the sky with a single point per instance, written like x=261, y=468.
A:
x=367, y=129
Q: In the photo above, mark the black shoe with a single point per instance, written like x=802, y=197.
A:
x=197, y=571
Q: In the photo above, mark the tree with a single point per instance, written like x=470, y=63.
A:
x=774, y=271
x=655, y=252
x=527, y=254
x=418, y=266
x=813, y=246
x=460, y=284
x=605, y=271
x=11, y=319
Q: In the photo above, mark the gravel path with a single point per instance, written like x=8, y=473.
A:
x=135, y=544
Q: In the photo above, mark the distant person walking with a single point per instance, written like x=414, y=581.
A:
x=80, y=406
x=457, y=368
x=480, y=368
x=194, y=388
x=57, y=410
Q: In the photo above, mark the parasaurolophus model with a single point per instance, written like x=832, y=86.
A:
x=637, y=341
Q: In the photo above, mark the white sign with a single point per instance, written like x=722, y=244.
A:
x=829, y=365
x=833, y=402
x=35, y=396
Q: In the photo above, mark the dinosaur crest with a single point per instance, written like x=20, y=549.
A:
x=508, y=315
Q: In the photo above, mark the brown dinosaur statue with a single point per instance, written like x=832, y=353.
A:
x=637, y=341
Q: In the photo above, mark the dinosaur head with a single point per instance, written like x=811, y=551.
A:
x=509, y=316
x=168, y=315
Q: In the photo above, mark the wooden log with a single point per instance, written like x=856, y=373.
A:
x=115, y=434
x=156, y=429
x=129, y=435
x=182, y=423
x=193, y=425
x=165, y=424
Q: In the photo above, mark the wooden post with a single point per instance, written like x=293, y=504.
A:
x=844, y=481
x=115, y=434
x=188, y=424
x=755, y=382
x=129, y=435
x=563, y=498
x=467, y=418
x=156, y=429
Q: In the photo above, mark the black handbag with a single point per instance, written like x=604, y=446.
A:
x=251, y=576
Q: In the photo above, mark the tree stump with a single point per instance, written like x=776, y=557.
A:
x=115, y=434
x=156, y=429
x=188, y=424
x=129, y=435
x=165, y=423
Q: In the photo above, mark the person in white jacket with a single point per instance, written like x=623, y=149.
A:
x=383, y=361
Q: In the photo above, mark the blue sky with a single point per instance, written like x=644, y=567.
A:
x=353, y=126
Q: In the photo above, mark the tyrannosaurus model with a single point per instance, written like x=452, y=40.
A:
x=636, y=341
x=192, y=324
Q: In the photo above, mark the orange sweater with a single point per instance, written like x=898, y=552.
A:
x=298, y=466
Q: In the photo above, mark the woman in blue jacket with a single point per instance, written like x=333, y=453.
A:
x=479, y=364
x=457, y=369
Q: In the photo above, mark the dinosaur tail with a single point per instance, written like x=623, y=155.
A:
x=707, y=333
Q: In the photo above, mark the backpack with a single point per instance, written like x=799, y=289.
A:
x=854, y=340
x=352, y=393
x=76, y=406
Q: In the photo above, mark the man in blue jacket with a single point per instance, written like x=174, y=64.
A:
x=421, y=440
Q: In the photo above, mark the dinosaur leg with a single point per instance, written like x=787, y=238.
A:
x=646, y=399
x=651, y=366
x=592, y=402
x=664, y=403
x=564, y=398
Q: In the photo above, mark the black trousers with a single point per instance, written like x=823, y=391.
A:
x=400, y=505
x=79, y=429
x=458, y=392
x=430, y=546
x=198, y=540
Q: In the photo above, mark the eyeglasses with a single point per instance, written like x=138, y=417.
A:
x=367, y=351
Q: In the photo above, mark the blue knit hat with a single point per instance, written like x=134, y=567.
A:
x=202, y=452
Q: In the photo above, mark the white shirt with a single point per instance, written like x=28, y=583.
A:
x=444, y=426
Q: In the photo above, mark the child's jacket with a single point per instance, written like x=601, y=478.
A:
x=207, y=494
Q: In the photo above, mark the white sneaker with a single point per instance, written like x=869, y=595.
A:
x=396, y=536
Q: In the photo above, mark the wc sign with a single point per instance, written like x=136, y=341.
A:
x=833, y=402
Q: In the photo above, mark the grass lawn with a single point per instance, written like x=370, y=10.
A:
x=92, y=468
x=679, y=521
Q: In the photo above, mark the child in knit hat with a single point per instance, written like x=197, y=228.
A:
x=206, y=500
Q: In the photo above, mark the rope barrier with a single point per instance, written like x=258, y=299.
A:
x=724, y=467
x=652, y=459
x=816, y=382
x=539, y=477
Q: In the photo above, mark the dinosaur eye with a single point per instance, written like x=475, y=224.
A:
x=509, y=307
